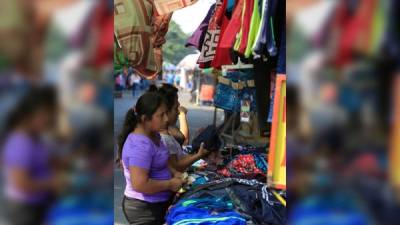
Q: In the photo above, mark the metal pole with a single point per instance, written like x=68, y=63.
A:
x=198, y=88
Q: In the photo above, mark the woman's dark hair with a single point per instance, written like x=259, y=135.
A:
x=36, y=98
x=168, y=91
x=146, y=106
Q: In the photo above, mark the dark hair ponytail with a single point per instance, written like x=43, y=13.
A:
x=36, y=98
x=130, y=123
x=146, y=106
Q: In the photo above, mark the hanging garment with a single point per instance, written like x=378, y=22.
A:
x=197, y=38
x=272, y=97
x=226, y=96
x=281, y=62
x=262, y=71
x=232, y=88
x=254, y=27
x=164, y=7
x=212, y=35
x=160, y=29
x=352, y=23
x=241, y=41
x=265, y=44
x=228, y=37
x=103, y=19
x=133, y=31
x=281, y=37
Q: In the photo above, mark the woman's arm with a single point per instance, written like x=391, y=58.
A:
x=142, y=183
x=183, y=124
x=22, y=179
x=184, y=163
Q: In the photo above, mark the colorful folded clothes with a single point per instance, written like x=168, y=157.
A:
x=248, y=166
x=204, y=211
x=228, y=201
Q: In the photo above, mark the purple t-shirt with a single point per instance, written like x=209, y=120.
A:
x=141, y=151
x=23, y=152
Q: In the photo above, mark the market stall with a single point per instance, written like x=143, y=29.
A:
x=242, y=43
x=241, y=46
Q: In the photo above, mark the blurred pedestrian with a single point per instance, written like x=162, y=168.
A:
x=171, y=77
x=135, y=84
x=30, y=181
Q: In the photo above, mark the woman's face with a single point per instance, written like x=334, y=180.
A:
x=159, y=120
x=42, y=120
x=173, y=113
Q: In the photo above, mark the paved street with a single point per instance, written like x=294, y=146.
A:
x=198, y=116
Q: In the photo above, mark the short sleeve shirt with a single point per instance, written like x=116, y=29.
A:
x=140, y=151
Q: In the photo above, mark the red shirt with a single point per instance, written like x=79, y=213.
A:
x=228, y=36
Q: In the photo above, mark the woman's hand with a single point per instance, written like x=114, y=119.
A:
x=202, y=151
x=182, y=110
x=175, y=184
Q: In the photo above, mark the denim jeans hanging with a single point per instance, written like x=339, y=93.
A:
x=236, y=86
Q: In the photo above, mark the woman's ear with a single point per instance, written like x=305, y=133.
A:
x=143, y=118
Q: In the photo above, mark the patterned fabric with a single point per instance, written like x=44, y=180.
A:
x=164, y=7
x=133, y=30
x=245, y=166
x=160, y=29
x=140, y=33
x=212, y=35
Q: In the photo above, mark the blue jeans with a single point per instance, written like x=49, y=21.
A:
x=135, y=88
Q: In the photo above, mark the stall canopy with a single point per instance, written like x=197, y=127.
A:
x=168, y=66
x=189, y=62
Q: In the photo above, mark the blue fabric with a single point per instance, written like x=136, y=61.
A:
x=281, y=21
x=332, y=209
x=228, y=98
x=230, y=5
x=239, y=200
x=85, y=209
x=261, y=162
x=204, y=211
x=251, y=203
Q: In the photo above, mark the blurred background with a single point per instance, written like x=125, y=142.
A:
x=57, y=83
x=343, y=109
x=56, y=97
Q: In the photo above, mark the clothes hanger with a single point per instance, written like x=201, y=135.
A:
x=238, y=65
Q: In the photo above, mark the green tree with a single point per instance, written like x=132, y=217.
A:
x=174, y=49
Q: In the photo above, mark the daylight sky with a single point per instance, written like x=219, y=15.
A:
x=190, y=17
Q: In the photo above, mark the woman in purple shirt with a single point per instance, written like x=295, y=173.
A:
x=29, y=182
x=144, y=158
